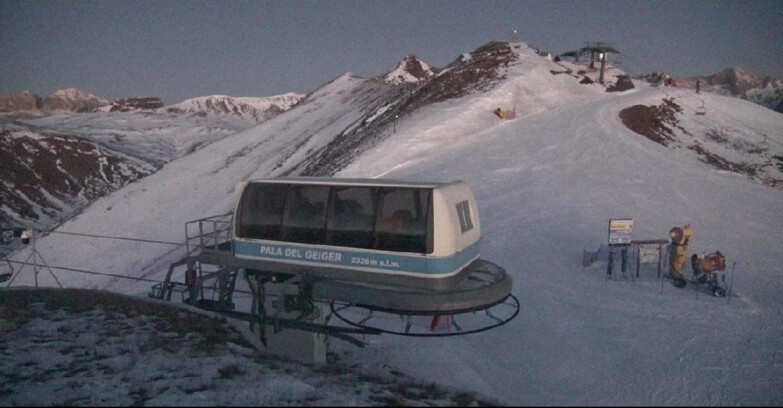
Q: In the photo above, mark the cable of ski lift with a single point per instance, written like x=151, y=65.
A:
x=99, y=273
x=113, y=237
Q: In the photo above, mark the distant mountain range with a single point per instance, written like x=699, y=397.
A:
x=28, y=104
x=258, y=109
x=128, y=139
x=72, y=100
x=61, y=152
x=737, y=82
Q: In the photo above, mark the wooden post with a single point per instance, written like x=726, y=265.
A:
x=638, y=259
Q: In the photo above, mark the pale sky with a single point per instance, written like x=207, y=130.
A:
x=178, y=50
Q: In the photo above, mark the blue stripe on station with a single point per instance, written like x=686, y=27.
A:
x=331, y=256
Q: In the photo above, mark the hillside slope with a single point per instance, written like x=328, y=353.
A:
x=133, y=144
x=547, y=184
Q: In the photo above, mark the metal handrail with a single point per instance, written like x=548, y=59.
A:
x=210, y=234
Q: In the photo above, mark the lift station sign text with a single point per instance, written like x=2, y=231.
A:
x=326, y=256
x=299, y=253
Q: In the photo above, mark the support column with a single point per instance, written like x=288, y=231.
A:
x=291, y=301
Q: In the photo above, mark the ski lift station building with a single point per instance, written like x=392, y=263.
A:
x=406, y=248
x=408, y=234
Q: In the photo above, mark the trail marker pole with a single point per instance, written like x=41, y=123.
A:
x=731, y=282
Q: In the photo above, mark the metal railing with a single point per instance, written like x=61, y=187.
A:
x=212, y=234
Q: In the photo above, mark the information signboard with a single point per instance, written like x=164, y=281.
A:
x=649, y=255
x=620, y=231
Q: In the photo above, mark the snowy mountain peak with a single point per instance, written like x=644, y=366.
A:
x=739, y=82
x=409, y=70
x=25, y=101
x=73, y=100
x=75, y=94
x=256, y=109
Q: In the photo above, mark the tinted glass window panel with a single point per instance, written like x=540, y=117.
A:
x=351, y=219
x=463, y=212
x=305, y=214
x=261, y=211
x=402, y=219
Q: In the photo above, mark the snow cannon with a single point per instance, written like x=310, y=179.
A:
x=704, y=271
x=678, y=249
x=708, y=263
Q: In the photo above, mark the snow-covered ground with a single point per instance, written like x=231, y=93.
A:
x=547, y=184
x=159, y=137
x=89, y=348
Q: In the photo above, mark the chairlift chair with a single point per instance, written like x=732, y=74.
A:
x=700, y=110
x=6, y=272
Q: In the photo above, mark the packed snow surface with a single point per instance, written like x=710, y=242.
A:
x=547, y=183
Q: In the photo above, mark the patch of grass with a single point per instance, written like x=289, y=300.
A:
x=721, y=163
x=464, y=399
x=413, y=392
x=139, y=396
x=200, y=388
x=389, y=401
x=106, y=369
x=16, y=315
x=71, y=349
x=716, y=136
x=332, y=370
x=157, y=342
x=230, y=371
x=75, y=402
x=219, y=335
x=76, y=370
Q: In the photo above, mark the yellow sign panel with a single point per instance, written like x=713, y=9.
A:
x=620, y=231
x=620, y=225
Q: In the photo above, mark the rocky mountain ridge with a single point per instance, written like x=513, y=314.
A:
x=47, y=176
x=58, y=156
x=256, y=109
x=27, y=104
x=735, y=81
x=410, y=70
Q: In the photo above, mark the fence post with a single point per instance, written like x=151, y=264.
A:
x=731, y=282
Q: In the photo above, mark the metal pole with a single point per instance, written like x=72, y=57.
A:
x=43, y=261
x=187, y=241
x=638, y=259
x=35, y=258
x=731, y=282
x=19, y=271
x=200, y=236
